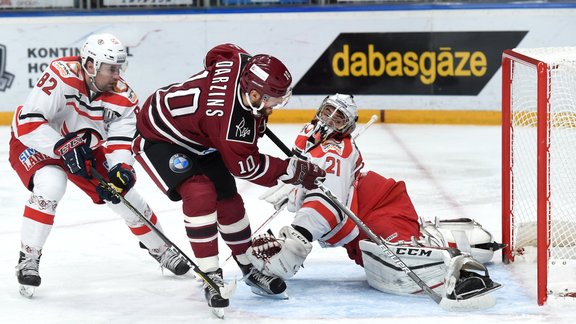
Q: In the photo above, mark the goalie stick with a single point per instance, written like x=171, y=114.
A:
x=224, y=293
x=477, y=303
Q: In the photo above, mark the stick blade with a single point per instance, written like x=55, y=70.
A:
x=229, y=288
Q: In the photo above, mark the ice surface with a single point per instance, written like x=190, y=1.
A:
x=94, y=272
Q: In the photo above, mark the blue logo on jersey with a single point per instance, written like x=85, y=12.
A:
x=179, y=163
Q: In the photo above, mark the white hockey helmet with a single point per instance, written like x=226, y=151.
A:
x=336, y=116
x=103, y=48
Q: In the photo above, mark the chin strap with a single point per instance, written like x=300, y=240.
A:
x=255, y=111
x=92, y=80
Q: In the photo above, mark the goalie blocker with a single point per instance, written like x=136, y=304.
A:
x=449, y=271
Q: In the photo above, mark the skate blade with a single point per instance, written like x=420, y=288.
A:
x=262, y=293
x=217, y=312
x=27, y=291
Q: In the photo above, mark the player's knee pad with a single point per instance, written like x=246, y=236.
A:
x=383, y=274
x=50, y=183
x=198, y=196
x=231, y=210
x=282, y=256
x=463, y=233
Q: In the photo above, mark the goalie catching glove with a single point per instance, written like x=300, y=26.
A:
x=122, y=178
x=282, y=256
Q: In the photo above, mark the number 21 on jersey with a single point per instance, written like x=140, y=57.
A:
x=333, y=165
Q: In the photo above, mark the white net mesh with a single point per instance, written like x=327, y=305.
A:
x=561, y=155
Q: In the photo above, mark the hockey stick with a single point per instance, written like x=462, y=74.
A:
x=369, y=123
x=288, y=152
x=268, y=132
x=224, y=293
x=378, y=240
x=480, y=302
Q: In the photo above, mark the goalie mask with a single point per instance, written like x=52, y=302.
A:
x=336, y=118
x=103, y=48
x=270, y=78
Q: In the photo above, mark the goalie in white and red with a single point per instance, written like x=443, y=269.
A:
x=430, y=249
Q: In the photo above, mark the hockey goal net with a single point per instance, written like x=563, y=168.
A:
x=539, y=165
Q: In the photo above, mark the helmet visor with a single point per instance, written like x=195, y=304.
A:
x=111, y=69
x=277, y=102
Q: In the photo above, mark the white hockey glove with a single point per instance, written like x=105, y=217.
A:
x=278, y=195
x=282, y=256
x=284, y=194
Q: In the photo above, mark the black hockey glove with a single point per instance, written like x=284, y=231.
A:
x=76, y=154
x=121, y=178
x=304, y=173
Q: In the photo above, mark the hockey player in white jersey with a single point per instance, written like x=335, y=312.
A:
x=79, y=115
x=383, y=205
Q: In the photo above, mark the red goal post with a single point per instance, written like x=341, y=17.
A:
x=539, y=165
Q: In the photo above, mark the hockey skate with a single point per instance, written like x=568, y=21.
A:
x=215, y=300
x=170, y=259
x=472, y=285
x=27, y=274
x=263, y=285
x=469, y=286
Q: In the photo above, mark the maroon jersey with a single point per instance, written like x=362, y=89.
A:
x=205, y=113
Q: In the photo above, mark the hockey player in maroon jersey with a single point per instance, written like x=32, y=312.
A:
x=79, y=115
x=384, y=206
x=197, y=136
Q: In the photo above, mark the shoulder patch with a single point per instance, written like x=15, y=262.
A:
x=242, y=126
x=67, y=69
x=123, y=89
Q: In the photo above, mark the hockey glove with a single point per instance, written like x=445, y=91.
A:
x=304, y=173
x=278, y=195
x=76, y=154
x=122, y=178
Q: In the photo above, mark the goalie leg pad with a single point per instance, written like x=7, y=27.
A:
x=452, y=274
x=282, y=256
x=463, y=233
x=384, y=275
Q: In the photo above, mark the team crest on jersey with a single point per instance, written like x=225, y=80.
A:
x=30, y=157
x=329, y=145
x=179, y=163
x=67, y=69
x=109, y=116
x=242, y=127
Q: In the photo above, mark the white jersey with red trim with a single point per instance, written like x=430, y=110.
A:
x=342, y=162
x=61, y=103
